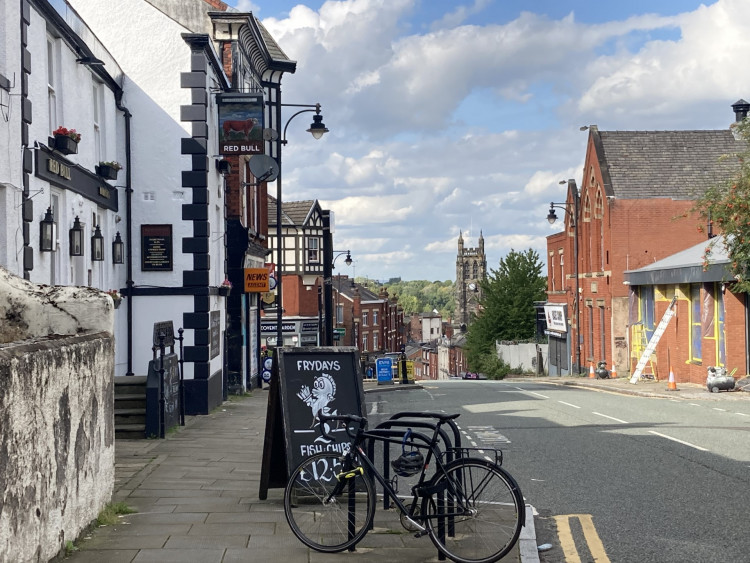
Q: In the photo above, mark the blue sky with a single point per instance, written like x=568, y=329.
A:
x=451, y=117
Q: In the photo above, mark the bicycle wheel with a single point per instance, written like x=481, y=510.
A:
x=486, y=507
x=322, y=522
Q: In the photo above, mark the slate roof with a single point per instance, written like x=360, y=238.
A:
x=292, y=212
x=664, y=164
x=686, y=266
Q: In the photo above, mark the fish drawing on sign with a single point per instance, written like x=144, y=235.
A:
x=319, y=397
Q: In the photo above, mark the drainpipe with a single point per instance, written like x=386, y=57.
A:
x=129, y=231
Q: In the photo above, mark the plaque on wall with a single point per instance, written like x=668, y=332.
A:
x=156, y=248
x=215, y=318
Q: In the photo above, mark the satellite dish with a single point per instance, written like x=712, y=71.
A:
x=270, y=134
x=264, y=168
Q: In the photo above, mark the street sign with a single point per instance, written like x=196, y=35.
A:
x=339, y=333
x=384, y=369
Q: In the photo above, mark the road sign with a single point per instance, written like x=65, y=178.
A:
x=339, y=333
x=384, y=369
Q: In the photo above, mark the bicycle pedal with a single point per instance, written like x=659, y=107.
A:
x=351, y=473
x=420, y=534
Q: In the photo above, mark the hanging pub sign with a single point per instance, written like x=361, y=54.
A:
x=240, y=123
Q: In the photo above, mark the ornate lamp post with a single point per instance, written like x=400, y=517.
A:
x=328, y=267
x=575, y=216
x=317, y=129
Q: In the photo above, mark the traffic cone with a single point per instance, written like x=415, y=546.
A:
x=613, y=373
x=592, y=375
x=671, y=386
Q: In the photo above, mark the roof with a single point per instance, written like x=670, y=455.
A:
x=664, y=164
x=686, y=266
x=293, y=212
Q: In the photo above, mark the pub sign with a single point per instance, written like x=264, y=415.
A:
x=240, y=124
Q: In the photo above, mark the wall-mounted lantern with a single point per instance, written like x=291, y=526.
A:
x=76, y=238
x=97, y=245
x=118, y=250
x=47, y=232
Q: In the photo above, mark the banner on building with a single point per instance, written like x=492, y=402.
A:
x=240, y=124
x=555, y=315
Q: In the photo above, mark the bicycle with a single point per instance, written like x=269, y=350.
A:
x=329, y=500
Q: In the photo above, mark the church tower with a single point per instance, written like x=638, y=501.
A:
x=471, y=268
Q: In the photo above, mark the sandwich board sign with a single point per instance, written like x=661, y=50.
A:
x=305, y=381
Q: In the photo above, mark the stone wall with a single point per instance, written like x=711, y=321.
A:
x=57, y=451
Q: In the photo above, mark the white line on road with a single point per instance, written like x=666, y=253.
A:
x=538, y=394
x=679, y=441
x=374, y=408
x=742, y=414
x=694, y=404
x=611, y=418
x=574, y=406
x=718, y=409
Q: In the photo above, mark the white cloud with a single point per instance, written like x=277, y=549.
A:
x=405, y=170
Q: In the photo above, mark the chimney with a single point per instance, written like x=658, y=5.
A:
x=740, y=107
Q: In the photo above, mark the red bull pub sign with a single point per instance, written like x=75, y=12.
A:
x=241, y=124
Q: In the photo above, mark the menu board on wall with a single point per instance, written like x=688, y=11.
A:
x=156, y=248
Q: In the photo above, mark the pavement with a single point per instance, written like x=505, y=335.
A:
x=196, y=493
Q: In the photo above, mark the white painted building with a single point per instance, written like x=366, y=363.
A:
x=143, y=94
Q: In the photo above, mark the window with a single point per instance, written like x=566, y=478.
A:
x=374, y=340
x=695, y=323
x=722, y=352
x=365, y=338
x=339, y=314
x=51, y=82
x=552, y=270
x=97, y=93
x=313, y=251
x=647, y=310
x=374, y=318
x=365, y=318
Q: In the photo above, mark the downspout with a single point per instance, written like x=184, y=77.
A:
x=129, y=232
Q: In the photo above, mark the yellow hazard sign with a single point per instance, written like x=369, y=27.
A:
x=256, y=280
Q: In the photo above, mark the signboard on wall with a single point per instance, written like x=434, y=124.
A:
x=256, y=280
x=156, y=248
x=555, y=315
x=241, y=124
x=215, y=319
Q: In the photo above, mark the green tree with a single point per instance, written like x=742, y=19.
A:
x=506, y=308
x=727, y=205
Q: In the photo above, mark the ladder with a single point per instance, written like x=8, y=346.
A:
x=668, y=314
x=639, y=342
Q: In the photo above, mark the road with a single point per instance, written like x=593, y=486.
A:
x=613, y=477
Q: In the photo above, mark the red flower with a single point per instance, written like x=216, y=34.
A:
x=72, y=133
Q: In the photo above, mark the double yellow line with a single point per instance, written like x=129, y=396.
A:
x=567, y=543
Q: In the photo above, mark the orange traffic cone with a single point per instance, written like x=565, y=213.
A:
x=613, y=373
x=671, y=386
x=592, y=375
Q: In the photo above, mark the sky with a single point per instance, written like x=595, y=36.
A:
x=451, y=117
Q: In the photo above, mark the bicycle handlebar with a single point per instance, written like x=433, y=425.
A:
x=347, y=418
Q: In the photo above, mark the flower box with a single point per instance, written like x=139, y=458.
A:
x=107, y=172
x=65, y=144
x=224, y=291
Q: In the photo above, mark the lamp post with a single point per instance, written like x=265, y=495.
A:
x=552, y=217
x=328, y=267
x=317, y=129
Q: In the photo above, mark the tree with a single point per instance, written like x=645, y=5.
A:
x=507, y=306
x=727, y=205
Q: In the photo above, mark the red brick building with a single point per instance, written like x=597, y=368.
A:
x=708, y=328
x=633, y=209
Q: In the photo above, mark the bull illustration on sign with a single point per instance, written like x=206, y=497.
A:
x=240, y=128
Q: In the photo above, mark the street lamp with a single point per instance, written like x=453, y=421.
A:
x=317, y=129
x=551, y=218
x=328, y=266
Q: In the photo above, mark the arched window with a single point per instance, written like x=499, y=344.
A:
x=599, y=214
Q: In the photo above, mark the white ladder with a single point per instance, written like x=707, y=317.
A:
x=655, y=337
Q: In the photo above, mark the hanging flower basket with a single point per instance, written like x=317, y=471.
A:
x=225, y=288
x=108, y=170
x=116, y=297
x=66, y=140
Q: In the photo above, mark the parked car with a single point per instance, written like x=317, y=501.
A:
x=473, y=375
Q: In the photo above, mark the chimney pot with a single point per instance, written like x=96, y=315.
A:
x=741, y=108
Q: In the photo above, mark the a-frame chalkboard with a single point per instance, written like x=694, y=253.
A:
x=304, y=381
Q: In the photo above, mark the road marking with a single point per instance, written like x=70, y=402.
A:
x=742, y=414
x=574, y=406
x=374, y=408
x=718, y=409
x=611, y=418
x=679, y=441
x=694, y=404
x=565, y=533
x=538, y=394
